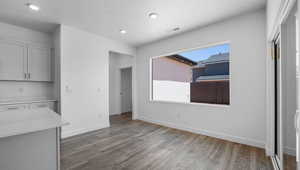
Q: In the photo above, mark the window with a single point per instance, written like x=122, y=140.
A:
x=195, y=76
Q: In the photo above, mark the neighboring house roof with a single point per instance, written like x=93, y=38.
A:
x=182, y=59
x=215, y=77
x=217, y=58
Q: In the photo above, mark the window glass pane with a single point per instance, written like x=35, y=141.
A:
x=195, y=76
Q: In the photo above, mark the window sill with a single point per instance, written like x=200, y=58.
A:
x=195, y=104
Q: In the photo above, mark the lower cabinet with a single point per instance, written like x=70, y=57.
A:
x=50, y=105
x=13, y=107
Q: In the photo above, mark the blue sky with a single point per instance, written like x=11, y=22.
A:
x=204, y=53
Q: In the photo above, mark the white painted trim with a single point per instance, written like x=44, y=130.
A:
x=185, y=50
x=194, y=48
x=58, y=148
x=191, y=103
x=281, y=62
x=284, y=10
x=67, y=134
x=134, y=90
x=270, y=101
x=237, y=139
x=290, y=151
x=111, y=114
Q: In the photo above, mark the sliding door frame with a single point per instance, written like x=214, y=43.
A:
x=277, y=158
x=277, y=29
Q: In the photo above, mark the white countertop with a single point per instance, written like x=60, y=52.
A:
x=25, y=100
x=17, y=122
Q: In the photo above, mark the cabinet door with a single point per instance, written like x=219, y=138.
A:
x=50, y=105
x=39, y=64
x=12, y=107
x=12, y=60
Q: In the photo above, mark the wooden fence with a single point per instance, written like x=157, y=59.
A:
x=214, y=92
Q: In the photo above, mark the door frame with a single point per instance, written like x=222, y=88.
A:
x=284, y=11
x=134, y=82
x=277, y=159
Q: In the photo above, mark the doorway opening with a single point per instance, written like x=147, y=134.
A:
x=126, y=91
x=120, y=85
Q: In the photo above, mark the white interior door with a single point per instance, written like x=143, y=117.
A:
x=39, y=64
x=126, y=90
x=13, y=61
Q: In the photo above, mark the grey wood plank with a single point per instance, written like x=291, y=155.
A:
x=137, y=145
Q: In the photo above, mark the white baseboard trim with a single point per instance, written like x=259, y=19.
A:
x=223, y=136
x=290, y=151
x=111, y=114
x=67, y=134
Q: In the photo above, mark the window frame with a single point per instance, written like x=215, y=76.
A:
x=151, y=100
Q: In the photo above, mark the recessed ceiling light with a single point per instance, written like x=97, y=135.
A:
x=123, y=31
x=33, y=7
x=153, y=15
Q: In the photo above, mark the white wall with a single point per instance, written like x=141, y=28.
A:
x=116, y=62
x=24, y=34
x=244, y=120
x=85, y=79
x=16, y=90
x=174, y=91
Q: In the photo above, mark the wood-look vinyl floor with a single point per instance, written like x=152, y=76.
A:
x=137, y=145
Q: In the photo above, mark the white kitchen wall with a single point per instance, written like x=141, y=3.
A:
x=244, y=121
x=85, y=79
x=116, y=62
x=24, y=34
x=11, y=90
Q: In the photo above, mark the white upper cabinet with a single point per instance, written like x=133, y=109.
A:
x=25, y=62
x=13, y=58
x=39, y=64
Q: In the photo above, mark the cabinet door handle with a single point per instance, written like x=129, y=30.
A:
x=12, y=108
x=28, y=75
x=43, y=105
x=25, y=75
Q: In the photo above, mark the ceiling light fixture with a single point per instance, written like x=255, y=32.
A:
x=123, y=31
x=33, y=7
x=153, y=15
